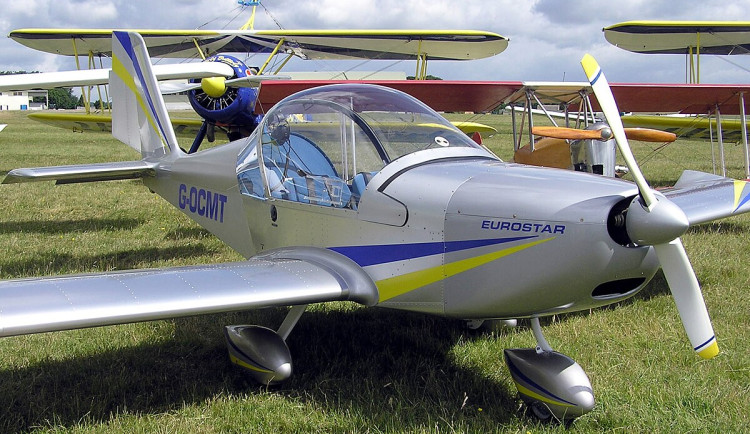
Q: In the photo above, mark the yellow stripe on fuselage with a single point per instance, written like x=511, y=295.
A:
x=398, y=285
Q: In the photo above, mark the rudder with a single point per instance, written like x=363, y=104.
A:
x=139, y=115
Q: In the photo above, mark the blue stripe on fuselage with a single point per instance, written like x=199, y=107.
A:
x=384, y=253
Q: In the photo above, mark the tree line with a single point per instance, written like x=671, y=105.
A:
x=59, y=98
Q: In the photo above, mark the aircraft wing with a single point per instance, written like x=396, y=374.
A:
x=677, y=98
x=82, y=173
x=440, y=95
x=643, y=97
x=285, y=277
x=705, y=197
x=681, y=37
x=92, y=77
x=103, y=123
x=699, y=127
x=307, y=44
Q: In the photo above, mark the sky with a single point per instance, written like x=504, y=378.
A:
x=547, y=37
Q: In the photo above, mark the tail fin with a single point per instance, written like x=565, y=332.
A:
x=139, y=115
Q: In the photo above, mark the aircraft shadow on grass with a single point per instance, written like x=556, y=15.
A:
x=378, y=355
x=69, y=226
x=56, y=262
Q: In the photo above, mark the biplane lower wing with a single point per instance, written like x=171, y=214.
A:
x=103, y=123
x=294, y=276
x=699, y=127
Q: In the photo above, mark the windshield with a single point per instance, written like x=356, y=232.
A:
x=397, y=123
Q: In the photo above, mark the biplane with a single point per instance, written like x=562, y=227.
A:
x=326, y=199
x=223, y=90
x=679, y=112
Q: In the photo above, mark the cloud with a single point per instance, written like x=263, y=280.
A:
x=547, y=37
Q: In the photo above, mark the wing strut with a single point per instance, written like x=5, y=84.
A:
x=270, y=56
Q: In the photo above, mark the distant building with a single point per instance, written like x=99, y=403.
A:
x=23, y=100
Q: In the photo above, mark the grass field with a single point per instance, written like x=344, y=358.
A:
x=356, y=369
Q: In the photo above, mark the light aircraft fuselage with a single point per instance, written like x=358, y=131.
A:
x=440, y=230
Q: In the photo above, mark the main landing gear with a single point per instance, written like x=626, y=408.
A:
x=262, y=352
x=551, y=384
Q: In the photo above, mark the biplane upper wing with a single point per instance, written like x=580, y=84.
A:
x=285, y=277
x=681, y=37
x=678, y=98
x=440, y=95
x=309, y=44
x=688, y=99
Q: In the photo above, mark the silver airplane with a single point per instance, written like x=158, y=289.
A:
x=363, y=193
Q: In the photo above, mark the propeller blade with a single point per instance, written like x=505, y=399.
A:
x=172, y=88
x=687, y=296
x=572, y=133
x=649, y=135
x=254, y=80
x=607, y=102
x=672, y=257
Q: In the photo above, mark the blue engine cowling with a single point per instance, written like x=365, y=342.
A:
x=235, y=107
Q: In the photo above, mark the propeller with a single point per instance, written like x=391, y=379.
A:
x=572, y=133
x=641, y=134
x=217, y=86
x=658, y=222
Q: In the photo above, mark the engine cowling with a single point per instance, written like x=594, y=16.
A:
x=233, y=107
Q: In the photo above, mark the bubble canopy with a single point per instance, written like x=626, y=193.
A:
x=332, y=134
x=396, y=123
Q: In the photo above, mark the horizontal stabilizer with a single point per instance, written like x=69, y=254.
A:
x=704, y=197
x=83, y=172
x=281, y=278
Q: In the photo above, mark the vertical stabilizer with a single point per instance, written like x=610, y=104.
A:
x=139, y=115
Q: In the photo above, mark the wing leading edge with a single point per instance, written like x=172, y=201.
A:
x=312, y=44
x=704, y=197
x=284, y=277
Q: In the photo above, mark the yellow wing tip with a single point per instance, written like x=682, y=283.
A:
x=590, y=66
x=710, y=351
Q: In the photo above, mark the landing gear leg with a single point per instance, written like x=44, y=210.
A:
x=550, y=383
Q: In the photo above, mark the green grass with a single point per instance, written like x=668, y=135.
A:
x=356, y=369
